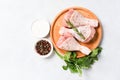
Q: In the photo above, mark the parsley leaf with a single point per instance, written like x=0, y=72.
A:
x=76, y=65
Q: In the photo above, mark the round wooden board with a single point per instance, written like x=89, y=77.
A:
x=57, y=23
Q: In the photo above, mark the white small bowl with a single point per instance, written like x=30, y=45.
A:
x=51, y=51
x=40, y=28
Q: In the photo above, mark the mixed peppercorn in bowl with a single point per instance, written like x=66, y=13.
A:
x=44, y=47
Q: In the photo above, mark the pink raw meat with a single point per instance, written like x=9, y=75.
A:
x=77, y=19
x=70, y=44
x=87, y=31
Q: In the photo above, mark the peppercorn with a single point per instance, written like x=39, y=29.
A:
x=43, y=47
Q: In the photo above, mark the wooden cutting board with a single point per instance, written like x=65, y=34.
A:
x=57, y=24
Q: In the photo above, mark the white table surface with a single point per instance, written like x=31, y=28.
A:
x=18, y=60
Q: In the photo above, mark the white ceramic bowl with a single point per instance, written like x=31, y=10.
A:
x=51, y=51
x=40, y=28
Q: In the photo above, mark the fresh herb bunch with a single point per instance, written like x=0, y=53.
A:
x=75, y=29
x=75, y=65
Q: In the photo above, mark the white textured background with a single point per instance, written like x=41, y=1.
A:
x=18, y=61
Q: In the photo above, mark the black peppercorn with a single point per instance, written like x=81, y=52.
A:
x=43, y=47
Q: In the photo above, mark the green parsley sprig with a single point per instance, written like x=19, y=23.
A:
x=75, y=65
